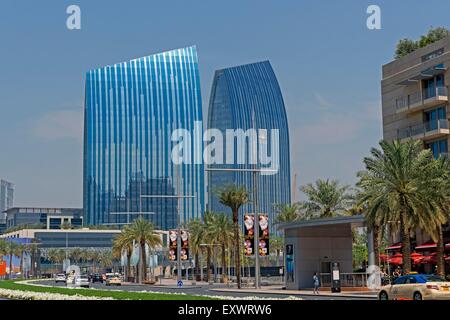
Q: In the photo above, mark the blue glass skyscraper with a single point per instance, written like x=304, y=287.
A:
x=245, y=97
x=131, y=110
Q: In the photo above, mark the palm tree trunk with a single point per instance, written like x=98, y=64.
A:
x=142, y=263
x=224, y=264
x=128, y=264
x=208, y=264
x=197, y=267
x=10, y=265
x=376, y=244
x=406, y=244
x=21, y=264
x=237, y=246
x=440, y=253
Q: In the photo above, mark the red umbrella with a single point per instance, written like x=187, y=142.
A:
x=416, y=257
x=396, y=259
x=431, y=259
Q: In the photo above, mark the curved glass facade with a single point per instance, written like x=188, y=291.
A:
x=131, y=110
x=246, y=97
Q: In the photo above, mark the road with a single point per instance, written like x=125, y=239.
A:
x=198, y=290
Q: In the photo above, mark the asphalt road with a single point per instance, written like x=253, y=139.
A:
x=196, y=290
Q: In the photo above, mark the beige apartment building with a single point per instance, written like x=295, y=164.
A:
x=415, y=104
x=415, y=97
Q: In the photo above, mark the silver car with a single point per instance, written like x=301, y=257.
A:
x=82, y=281
x=61, y=277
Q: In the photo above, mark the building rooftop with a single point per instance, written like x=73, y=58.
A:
x=357, y=221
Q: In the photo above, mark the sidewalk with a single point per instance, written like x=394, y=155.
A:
x=278, y=290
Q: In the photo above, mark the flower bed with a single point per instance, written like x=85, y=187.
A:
x=30, y=295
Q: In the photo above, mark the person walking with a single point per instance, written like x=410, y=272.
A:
x=316, y=283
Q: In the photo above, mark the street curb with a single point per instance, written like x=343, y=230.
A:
x=298, y=294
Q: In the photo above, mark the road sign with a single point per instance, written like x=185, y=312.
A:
x=180, y=283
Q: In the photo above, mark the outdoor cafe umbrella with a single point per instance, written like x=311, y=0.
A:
x=430, y=259
x=396, y=259
x=416, y=257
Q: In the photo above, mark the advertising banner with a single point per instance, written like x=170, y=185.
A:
x=2, y=268
x=173, y=244
x=249, y=234
x=263, y=235
x=184, y=252
x=290, y=263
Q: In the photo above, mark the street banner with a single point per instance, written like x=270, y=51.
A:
x=184, y=252
x=249, y=234
x=263, y=235
x=173, y=244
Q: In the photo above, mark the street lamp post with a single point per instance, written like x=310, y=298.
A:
x=255, y=172
x=178, y=197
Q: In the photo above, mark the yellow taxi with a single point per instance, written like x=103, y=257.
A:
x=416, y=287
x=113, y=279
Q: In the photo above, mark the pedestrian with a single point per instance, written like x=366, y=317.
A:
x=316, y=283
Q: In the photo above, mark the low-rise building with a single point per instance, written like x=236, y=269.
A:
x=45, y=218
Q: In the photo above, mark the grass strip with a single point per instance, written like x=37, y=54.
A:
x=120, y=295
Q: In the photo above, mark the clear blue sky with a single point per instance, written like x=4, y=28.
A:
x=326, y=60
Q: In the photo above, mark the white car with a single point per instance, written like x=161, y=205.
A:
x=60, y=277
x=416, y=287
x=82, y=281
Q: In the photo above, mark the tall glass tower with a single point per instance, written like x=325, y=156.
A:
x=6, y=198
x=131, y=110
x=245, y=97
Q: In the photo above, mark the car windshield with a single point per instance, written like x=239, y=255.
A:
x=432, y=278
x=60, y=275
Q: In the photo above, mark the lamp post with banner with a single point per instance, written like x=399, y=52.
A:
x=255, y=172
x=178, y=231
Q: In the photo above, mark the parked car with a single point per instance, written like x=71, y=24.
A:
x=82, y=281
x=416, y=287
x=60, y=277
x=113, y=279
x=96, y=278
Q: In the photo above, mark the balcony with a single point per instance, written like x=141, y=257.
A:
x=425, y=131
x=418, y=101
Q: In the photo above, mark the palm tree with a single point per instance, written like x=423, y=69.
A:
x=235, y=197
x=142, y=231
x=105, y=259
x=326, y=198
x=11, y=251
x=124, y=243
x=93, y=257
x=287, y=213
x=75, y=254
x=439, y=200
x=209, y=240
x=21, y=250
x=221, y=233
x=196, y=233
x=56, y=256
x=276, y=244
x=395, y=188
